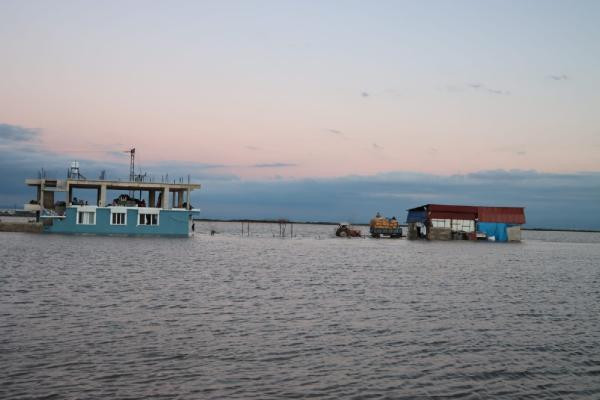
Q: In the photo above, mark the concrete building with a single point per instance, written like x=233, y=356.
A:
x=159, y=208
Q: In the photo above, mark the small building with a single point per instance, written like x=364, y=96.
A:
x=457, y=222
x=160, y=209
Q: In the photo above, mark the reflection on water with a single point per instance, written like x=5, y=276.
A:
x=314, y=316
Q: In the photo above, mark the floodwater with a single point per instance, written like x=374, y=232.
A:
x=313, y=316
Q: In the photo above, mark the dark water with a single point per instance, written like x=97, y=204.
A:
x=310, y=317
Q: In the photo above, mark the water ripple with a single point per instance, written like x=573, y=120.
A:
x=311, y=317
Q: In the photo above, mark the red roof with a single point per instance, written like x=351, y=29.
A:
x=507, y=215
x=442, y=211
x=451, y=208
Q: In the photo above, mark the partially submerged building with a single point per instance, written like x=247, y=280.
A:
x=149, y=208
x=456, y=222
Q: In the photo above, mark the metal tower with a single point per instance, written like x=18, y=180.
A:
x=131, y=164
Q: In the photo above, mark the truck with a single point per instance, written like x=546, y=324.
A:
x=382, y=226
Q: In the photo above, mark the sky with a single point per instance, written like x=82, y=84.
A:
x=312, y=110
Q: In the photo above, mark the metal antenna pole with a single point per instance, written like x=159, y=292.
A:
x=132, y=165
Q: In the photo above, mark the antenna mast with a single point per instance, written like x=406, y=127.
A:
x=131, y=164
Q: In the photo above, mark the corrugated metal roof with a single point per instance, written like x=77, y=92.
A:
x=449, y=211
x=452, y=215
x=508, y=215
x=452, y=208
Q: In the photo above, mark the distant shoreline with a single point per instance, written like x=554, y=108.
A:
x=561, y=230
x=276, y=221
x=271, y=221
x=21, y=213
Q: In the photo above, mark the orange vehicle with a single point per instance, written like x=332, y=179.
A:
x=344, y=229
x=381, y=226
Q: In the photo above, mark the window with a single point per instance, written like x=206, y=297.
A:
x=440, y=223
x=148, y=219
x=118, y=218
x=457, y=225
x=86, y=218
x=463, y=225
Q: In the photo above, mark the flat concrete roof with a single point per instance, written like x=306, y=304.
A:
x=114, y=185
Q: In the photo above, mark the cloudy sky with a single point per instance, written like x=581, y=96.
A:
x=312, y=110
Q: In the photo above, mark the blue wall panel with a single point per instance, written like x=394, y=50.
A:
x=496, y=229
x=170, y=223
x=416, y=216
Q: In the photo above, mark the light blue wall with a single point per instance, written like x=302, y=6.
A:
x=171, y=223
x=496, y=229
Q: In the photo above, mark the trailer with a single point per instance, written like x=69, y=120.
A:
x=381, y=226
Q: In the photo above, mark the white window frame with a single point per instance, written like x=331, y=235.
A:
x=151, y=214
x=463, y=225
x=440, y=223
x=86, y=212
x=117, y=212
x=456, y=225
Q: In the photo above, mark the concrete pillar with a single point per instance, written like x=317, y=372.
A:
x=42, y=195
x=187, y=199
x=102, y=194
x=151, y=198
x=173, y=200
x=70, y=195
x=180, y=199
x=49, y=200
x=165, y=198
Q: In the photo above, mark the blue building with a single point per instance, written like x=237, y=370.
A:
x=149, y=208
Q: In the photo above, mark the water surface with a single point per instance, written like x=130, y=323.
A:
x=227, y=316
